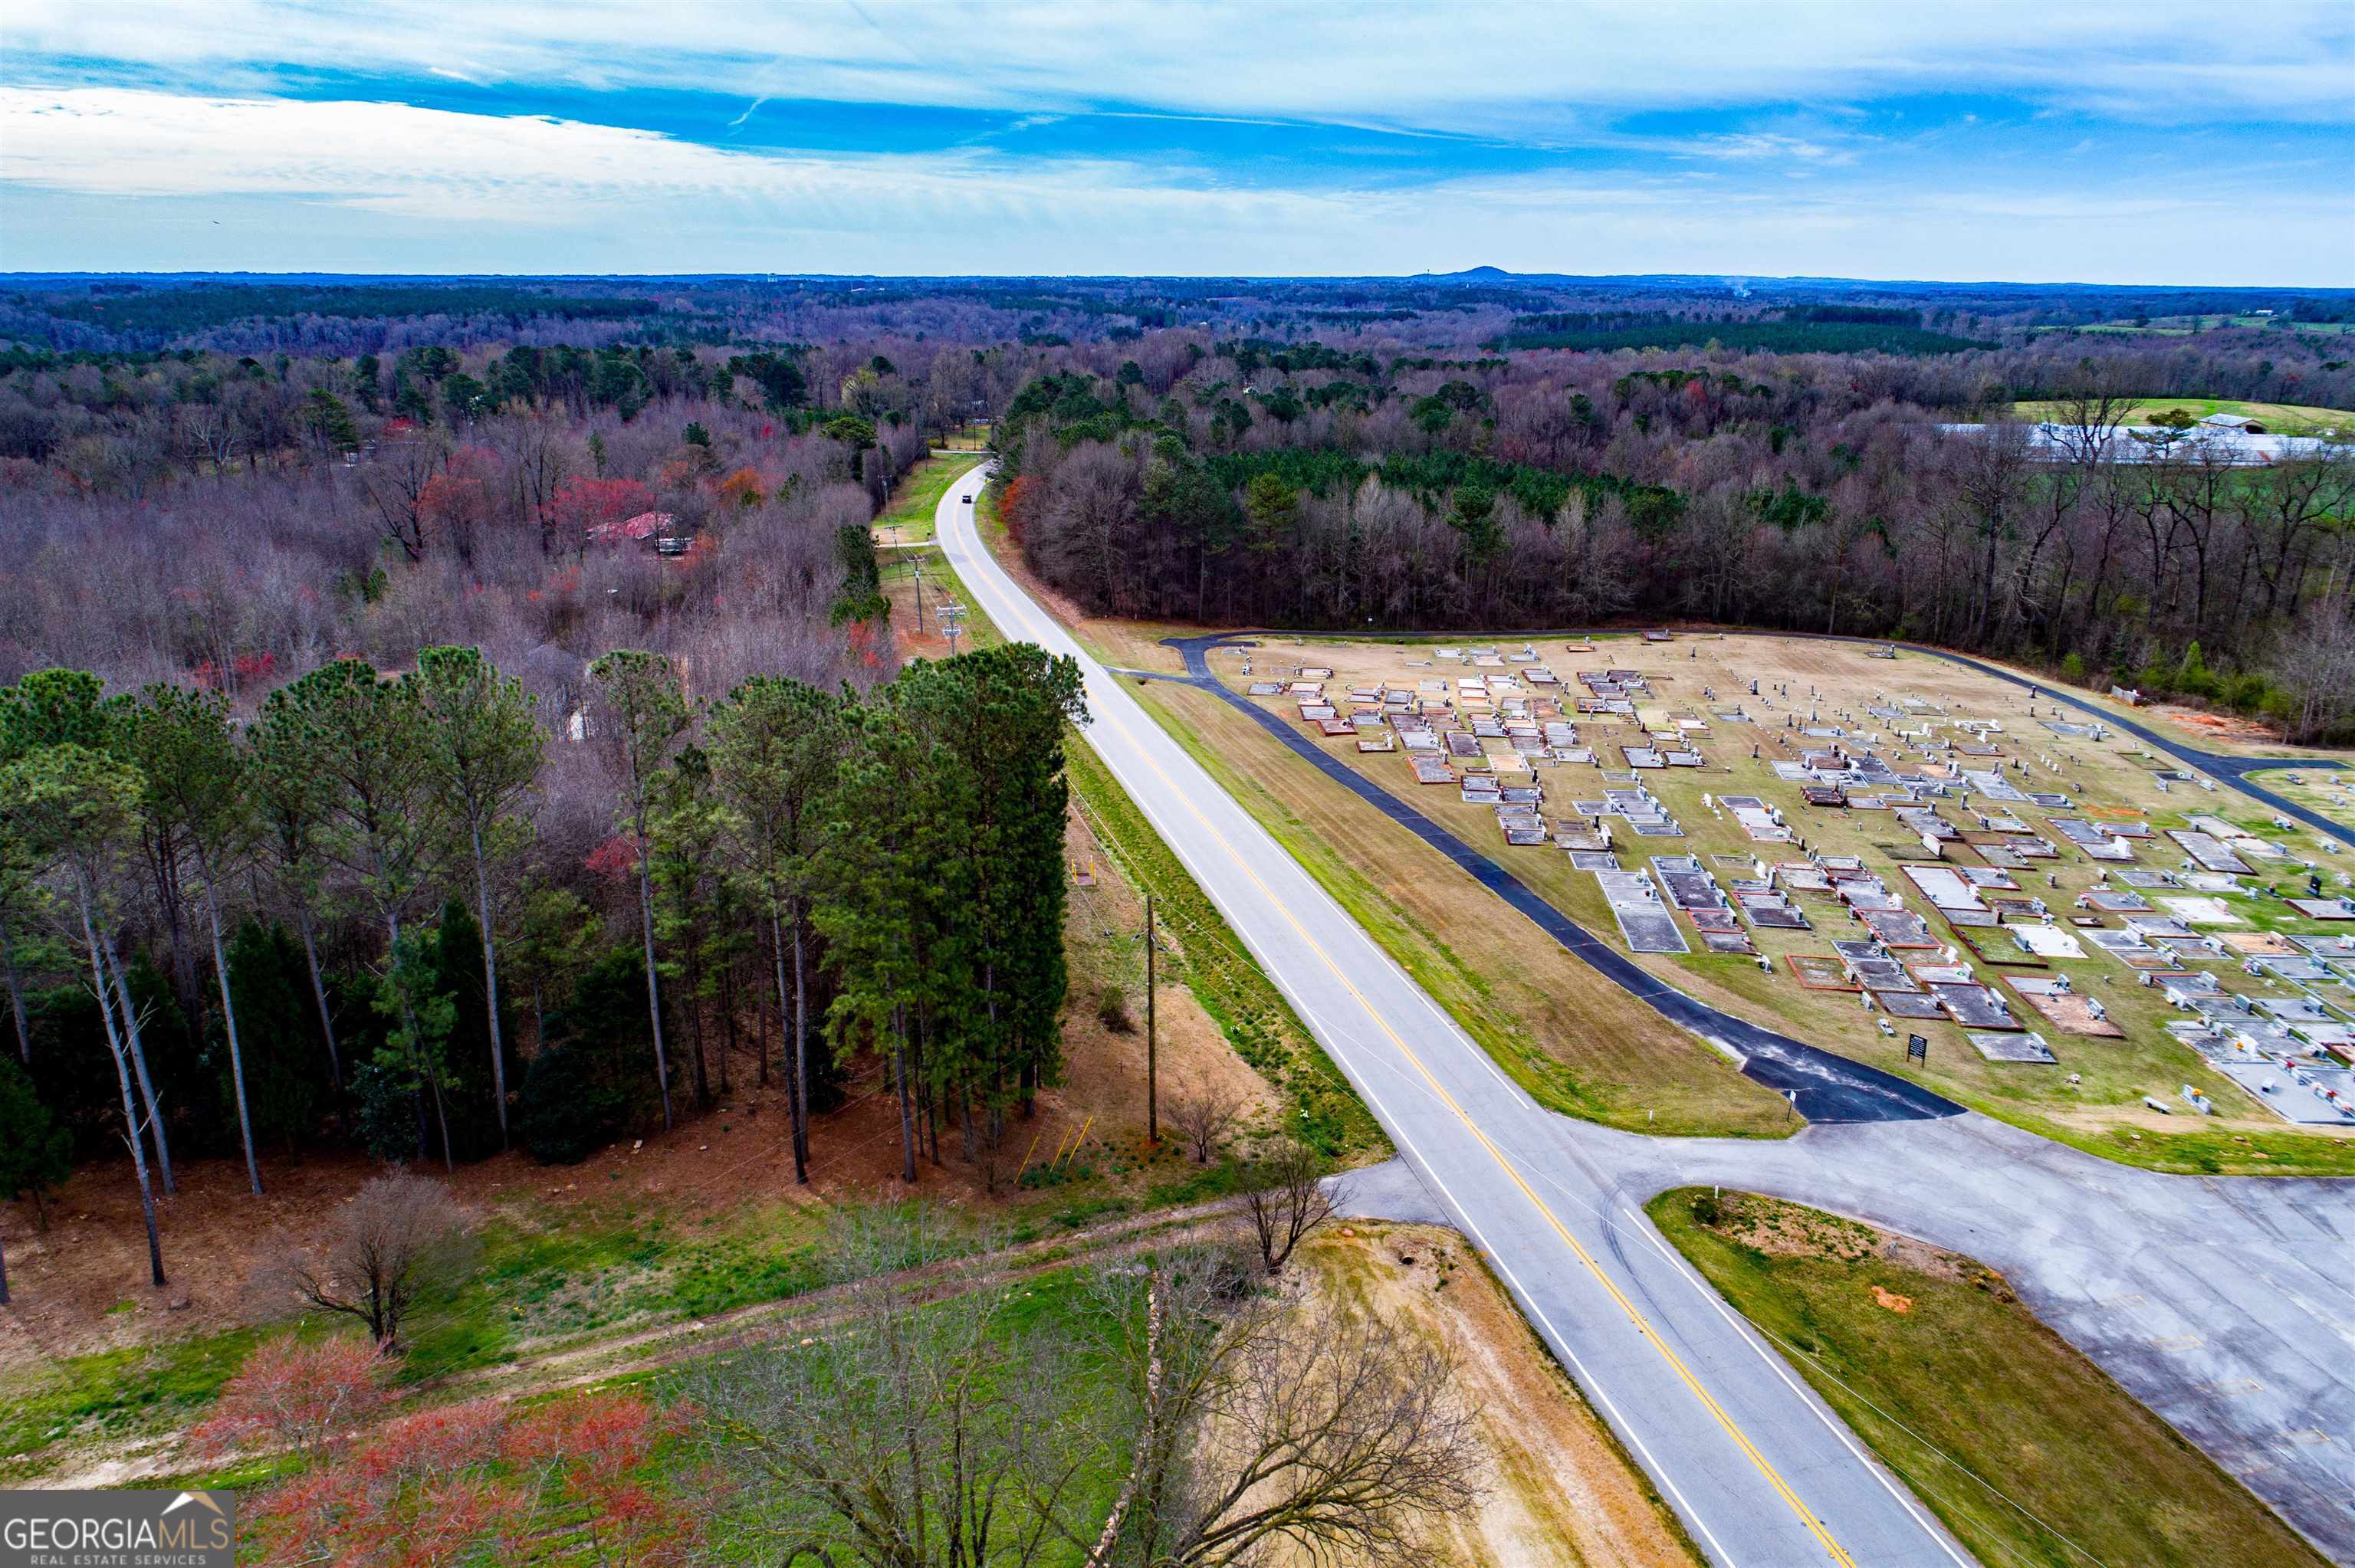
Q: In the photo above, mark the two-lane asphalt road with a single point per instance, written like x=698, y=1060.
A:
x=1760, y=1471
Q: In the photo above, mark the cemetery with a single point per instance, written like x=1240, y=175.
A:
x=1855, y=848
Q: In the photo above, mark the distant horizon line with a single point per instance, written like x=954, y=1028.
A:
x=1473, y=275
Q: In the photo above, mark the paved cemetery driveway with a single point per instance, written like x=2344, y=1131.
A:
x=1825, y=1086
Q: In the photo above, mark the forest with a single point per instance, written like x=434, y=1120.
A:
x=173, y=876
x=1868, y=494
x=447, y=716
x=443, y=752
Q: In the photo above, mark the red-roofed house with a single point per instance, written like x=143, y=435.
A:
x=644, y=525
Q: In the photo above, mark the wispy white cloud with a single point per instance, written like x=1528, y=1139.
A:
x=1750, y=147
x=444, y=166
x=147, y=178
x=1502, y=67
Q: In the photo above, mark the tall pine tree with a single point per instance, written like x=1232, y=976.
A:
x=483, y=754
x=641, y=711
x=196, y=798
x=777, y=749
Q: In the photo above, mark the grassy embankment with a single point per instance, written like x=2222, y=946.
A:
x=2023, y=1448
x=1228, y=982
x=1211, y=961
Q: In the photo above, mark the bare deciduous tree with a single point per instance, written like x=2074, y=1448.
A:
x=1283, y=1197
x=2317, y=667
x=921, y=1430
x=399, y=1238
x=1204, y=1114
x=1267, y=1421
x=935, y=1422
x=1335, y=1434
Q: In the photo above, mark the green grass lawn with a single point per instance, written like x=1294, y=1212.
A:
x=968, y=437
x=2023, y=1448
x=113, y=1396
x=559, y=1275
x=909, y=519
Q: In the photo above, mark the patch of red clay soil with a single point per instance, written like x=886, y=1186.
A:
x=2217, y=727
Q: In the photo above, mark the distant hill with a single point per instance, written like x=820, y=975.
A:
x=1469, y=275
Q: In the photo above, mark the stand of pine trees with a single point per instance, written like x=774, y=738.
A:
x=334, y=919
x=941, y=888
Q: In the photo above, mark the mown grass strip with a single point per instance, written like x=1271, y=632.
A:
x=2025, y=1450
x=908, y=519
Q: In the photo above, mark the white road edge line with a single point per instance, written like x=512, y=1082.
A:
x=1004, y=611
x=1521, y=1293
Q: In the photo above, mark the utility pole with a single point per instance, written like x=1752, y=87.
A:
x=1152, y=1057
x=950, y=617
x=920, y=599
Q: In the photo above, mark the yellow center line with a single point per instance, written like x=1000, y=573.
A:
x=1651, y=1336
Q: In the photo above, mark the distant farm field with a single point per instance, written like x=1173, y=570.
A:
x=2293, y=419
x=2184, y=326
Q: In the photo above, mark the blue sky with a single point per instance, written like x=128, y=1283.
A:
x=2144, y=143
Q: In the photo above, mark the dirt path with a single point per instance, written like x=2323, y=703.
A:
x=556, y=1363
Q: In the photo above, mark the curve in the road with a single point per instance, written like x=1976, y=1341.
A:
x=1822, y=1086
